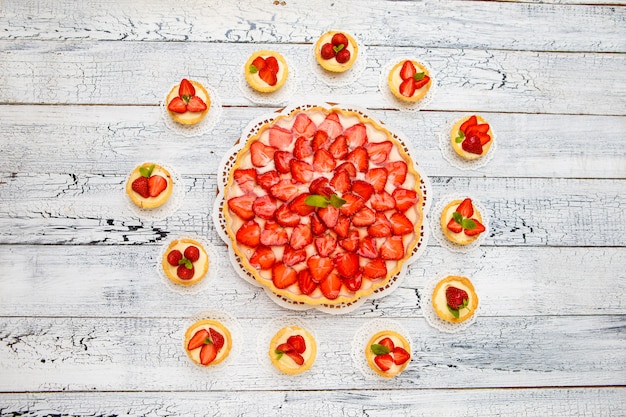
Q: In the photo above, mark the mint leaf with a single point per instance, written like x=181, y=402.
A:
x=460, y=138
x=146, y=171
x=279, y=354
x=208, y=341
x=186, y=262
x=379, y=349
x=316, y=200
x=253, y=69
x=457, y=217
x=454, y=312
x=336, y=201
x=338, y=47
x=468, y=224
x=418, y=76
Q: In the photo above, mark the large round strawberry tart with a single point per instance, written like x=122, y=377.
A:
x=323, y=205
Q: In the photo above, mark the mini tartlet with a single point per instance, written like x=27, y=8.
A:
x=471, y=137
x=292, y=350
x=149, y=185
x=185, y=261
x=454, y=299
x=188, y=102
x=207, y=342
x=388, y=353
x=266, y=71
x=336, y=51
x=461, y=222
x=409, y=81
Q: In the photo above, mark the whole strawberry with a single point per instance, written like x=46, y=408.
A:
x=456, y=298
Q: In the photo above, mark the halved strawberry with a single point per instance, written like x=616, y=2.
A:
x=346, y=263
x=323, y=161
x=354, y=203
x=339, y=148
x=305, y=282
x=364, y=217
x=421, y=83
x=362, y=188
x=174, y=257
x=377, y=177
x=177, y=105
x=273, y=234
x=379, y=152
x=400, y=224
x=198, y=339
x=454, y=227
x=331, y=126
x=208, y=353
x=299, y=206
x=298, y=343
x=261, y=154
x=325, y=244
x=272, y=63
x=388, y=343
x=341, y=181
x=285, y=217
x=400, y=355
x=186, y=90
x=466, y=208
x=317, y=225
x=384, y=362
x=342, y=227
x=392, y=248
x=268, y=179
x=354, y=282
x=284, y=190
x=477, y=230
x=156, y=185
x=283, y=276
x=281, y=161
x=293, y=256
x=329, y=216
x=320, y=141
x=359, y=158
x=303, y=126
x=264, y=207
x=267, y=75
x=331, y=285
x=405, y=199
x=259, y=63
x=242, y=206
x=302, y=148
x=407, y=87
x=382, y=201
x=472, y=121
x=477, y=128
x=356, y=135
x=381, y=227
x=185, y=273
x=245, y=178
x=249, y=234
x=472, y=144
x=196, y=105
x=408, y=70
x=141, y=187
x=375, y=268
x=280, y=138
x=483, y=137
x=263, y=258
x=301, y=236
x=367, y=248
x=301, y=171
x=321, y=186
x=192, y=253
x=350, y=243
x=348, y=167
x=297, y=358
x=319, y=267
x=216, y=338
x=397, y=172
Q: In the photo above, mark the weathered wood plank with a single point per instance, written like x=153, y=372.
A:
x=75, y=72
x=450, y=24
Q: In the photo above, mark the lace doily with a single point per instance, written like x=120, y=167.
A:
x=361, y=339
x=233, y=327
x=266, y=335
x=280, y=96
x=203, y=126
x=435, y=224
x=431, y=316
x=454, y=158
x=172, y=204
x=214, y=266
x=340, y=79
x=403, y=106
x=340, y=308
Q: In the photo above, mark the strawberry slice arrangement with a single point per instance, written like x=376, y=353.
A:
x=323, y=206
x=456, y=299
x=210, y=342
x=184, y=261
x=462, y=220
x=337, y=48
x=187, y=100
x=473, y=136
x=411, y=79
x=148, y=185
x=267, y=68
x=294, y=347
x=387, y=354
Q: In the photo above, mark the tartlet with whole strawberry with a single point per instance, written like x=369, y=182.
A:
x=188, y=102
x=388, y=353
x=292, y=350
x=149, y=186
x=185, y=262
x=471, y=137
x=208, y=342
x=336, y=51
x=454, y=299
x=266, y=71
x=461, y=222
x=409, y=80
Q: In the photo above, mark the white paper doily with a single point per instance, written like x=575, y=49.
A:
x=169, y=207
x=403, y=106
x=280, y=96
x=204, y=282
x=431, y=316
x=233, y=327
x=435, y=224
x=339, y=308
x=266, y=335
x=361, y=339
x=454, y=158
x=203, y=126
x=340, y=79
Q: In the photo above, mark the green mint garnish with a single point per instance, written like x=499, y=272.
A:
x=338, y=47
x=457, y=217
x=146, y=171
x=380, y=349
x=186, y=262
x=336, y=201
x=468, y=224
x=208, y=341
x=454, y=312
x=460, y=138
x=253, y=69
x=418, y=76
x=316, y=200
x=279, y=354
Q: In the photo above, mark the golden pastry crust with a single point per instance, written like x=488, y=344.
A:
x=457, y=146
x=331, y=64
x=150, y=202
x=440, y=304
x=223, y=353
x=394, y=80
x=190, y=118
x=284, y=363
x=446, y=215
x=255, y=81
x=398, y=340
x=201, y=266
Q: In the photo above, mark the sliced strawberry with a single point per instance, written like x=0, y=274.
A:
x=317, y=225
x=483, y=137
x=301, y=236
x=303, y=126
x=331, y=126
x=454, y=227
x=397, y=172
x=405, y=199
x=198, y=339
x=185, y=273
x=320, y=141
x=348, y=167
x=407, y=87
x=323, y=161
x=174, y=257
x=382, y=201
x=331, y=285
x=319, y=267
x=472, y=144
x=177, y=105
x=350, y=243
x=264, y=207
x=281, y=161
x=216, y=338
x=263, y=258
x=269, y=76
x=375, y=268
x=381, y=227
x=421, y=83
x=472, y=121
x=477, y=128
x=384, y=362
x=242, y=206
x=364, y=217
x=297, y=358
x=273, y=234
x=347, y=263
x=301, y=171
x=285, y=217
x=298, y=343
x=392, y=248
x=377, y=177
x=261, y=154
x=272, y=63
x=186, y=90
x=280, y=138
x=302, y=148
x=356, y=135
x=196, y=105
x=156, y=185
x=408, y=70
x=341, y=181
x=245, y=178
x=259, y=63
x=321, y=186
x=342, y=227
x=284, y=348
x=388, y=343
x=325, y=244
x=283, y=276
x=456, y=297
x=208, y=353
x=466, y=208
x=400, y=355
x=367, y=248
x=329, y=216
x=299, y=206
x=141, y=187
x=305, y=282
x=400, y=224
x=354, y=282
x=192, y=253
x=477, y=230
x=284, y=190
x=339, y=148
x=362, y=188
x=354, y=203
x=359, y=158
x=268, y=179
x=379, y=152
x=249, y=234
x=292, y=256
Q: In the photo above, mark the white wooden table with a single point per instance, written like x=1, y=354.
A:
x=86, y=326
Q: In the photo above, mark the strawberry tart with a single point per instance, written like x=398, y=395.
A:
x=185, y=262
x=323, y=206
x=471, y=137
x=188, y=102
x=149, y=186
x=336, y=51
x=409, y=81
x=461, y=222
x=454, y=299
x=208, y=342
x=388, y=353
x=266, y=71
x=292, y=350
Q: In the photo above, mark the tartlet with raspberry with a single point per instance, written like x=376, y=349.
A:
x=185, y=262
x=336, y=51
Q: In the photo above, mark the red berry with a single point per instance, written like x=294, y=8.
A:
x=327, y=51
x=173, y=257
x=192, y=253
x=185, y=273
x=156, y=185
x=339, y=39
x=343, y=56
x=140, y=186
x=455, y=297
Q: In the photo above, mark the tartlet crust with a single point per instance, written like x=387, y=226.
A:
x=150, y=202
